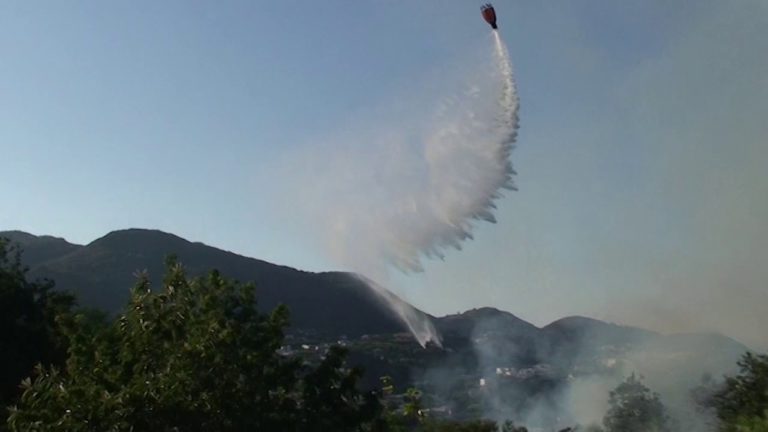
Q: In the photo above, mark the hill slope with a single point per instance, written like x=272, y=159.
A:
x=102, y=273
x=333, y=304
x=39, y=249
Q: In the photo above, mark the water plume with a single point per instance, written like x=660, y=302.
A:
x=419, y=324
x=467, y=163
x=423, y=194
x=412, y=187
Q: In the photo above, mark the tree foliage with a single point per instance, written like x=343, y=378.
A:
x=28, y=331
x=633, y=408
x=509, y=426
x=749, y=424
x=197, y=355
x=741, y=404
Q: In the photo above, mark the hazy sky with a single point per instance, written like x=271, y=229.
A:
x=642, y=157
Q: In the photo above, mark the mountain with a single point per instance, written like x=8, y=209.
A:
x=486, y=351
x=102, y=273
x=499, y=336
x=38, y=249
x=575, y=339
x=483, y=321
x=327, y=306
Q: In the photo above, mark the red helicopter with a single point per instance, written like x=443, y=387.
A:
x=489, y=14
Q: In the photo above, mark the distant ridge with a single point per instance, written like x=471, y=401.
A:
x=39, y=249
x=102, y=273
x=335, y=304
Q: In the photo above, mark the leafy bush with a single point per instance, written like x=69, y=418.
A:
x=195, y=356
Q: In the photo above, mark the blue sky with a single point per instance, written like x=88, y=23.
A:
x=641, y=154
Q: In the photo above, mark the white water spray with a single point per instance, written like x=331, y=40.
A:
x=418, y=324
x=425, y=206
x=399, y=192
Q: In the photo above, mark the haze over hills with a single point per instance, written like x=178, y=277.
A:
x=336, y=304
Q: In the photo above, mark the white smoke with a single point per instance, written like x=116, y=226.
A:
x=398, y=191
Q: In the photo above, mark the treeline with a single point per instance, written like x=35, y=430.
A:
x=195, y=354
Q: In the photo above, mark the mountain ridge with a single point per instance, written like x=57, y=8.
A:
x=481, y=345
x=102, y=272
x=127, y=251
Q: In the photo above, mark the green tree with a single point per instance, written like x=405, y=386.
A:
x=633, y=408
x=750, y=424
x=410, y=416
x=195, y=356
x=509, y=426
x=29, y=333
x=412, y=407
x=741, y=404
